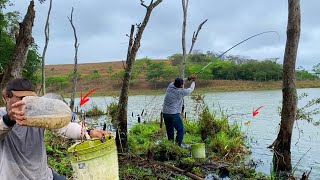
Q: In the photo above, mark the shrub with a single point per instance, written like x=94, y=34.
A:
x=95, y=111
x=57, y=82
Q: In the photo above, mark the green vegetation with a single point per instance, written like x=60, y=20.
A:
x=8, y=26
x=149, y=150
x=57, y=147
x=57, y=83
x=95, y=111
x=112, y=110
x=94, y=75
x=224, y=143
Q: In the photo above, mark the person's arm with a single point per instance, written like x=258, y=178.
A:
x=4, y=128
x=190, y=89
x=9, y=119
x=72, y=130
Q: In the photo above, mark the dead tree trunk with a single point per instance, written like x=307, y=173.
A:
x=282, y=145
x=46, y=33
x=134, y=45
x=75, y=69
x=23, y=40
x=184, y=24
x=194, y=39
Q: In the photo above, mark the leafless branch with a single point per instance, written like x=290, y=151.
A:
x=195, y=35
x=76, y=46
x=46, y=32
x=142, y=3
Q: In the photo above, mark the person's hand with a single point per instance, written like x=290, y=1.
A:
x=192, y=77
x=16, y=114
x=96, y=133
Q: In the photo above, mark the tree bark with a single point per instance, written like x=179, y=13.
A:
x=134, y=45
x=184, y=24
x=282, y=145
x=46, y=33
x=75, y=69
x=23, y=40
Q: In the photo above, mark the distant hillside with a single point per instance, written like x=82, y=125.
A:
x=107, y=77
x=58, y=77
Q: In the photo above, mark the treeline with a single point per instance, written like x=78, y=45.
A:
x=227, y=68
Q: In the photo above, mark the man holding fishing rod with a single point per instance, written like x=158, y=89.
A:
x=22, y=149
x=173, y=100
x=172, y=107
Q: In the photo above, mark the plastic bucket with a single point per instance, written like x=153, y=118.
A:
x=93, y=159
x=198, y=150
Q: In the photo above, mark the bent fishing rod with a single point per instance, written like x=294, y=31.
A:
x=234, y=47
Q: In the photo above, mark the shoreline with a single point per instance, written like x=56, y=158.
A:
x=213, y=86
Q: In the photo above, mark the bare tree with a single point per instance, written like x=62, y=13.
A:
x=46, y=33
x=184, y=25
x=134, y=45
x=75, y=69
x=23, y=40
x=282, y=145
x=194, y=37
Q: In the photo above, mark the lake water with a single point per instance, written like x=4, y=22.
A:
x=262, y=130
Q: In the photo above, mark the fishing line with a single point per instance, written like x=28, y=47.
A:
x=236, y=46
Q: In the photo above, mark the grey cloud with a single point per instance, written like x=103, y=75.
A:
x=102, y=26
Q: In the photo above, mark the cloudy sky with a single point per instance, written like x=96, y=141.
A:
x=102, y=27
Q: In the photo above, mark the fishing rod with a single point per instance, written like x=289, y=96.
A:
x=234, y=47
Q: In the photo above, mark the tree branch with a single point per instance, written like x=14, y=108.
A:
x=142, y=4
x=195, y=35
x=76, y=46
x=46, y=32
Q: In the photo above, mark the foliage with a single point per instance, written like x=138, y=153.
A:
x=309, y=110
x=316, y=69
x=94, y=75
x=305, y=75
x=110, y=69
x=135, y=171
x=154, y=71
x=176, y=59
x=30, y=70
x=57, y=82
x=112, y=110
x=8, y=27
x=140, y=65
x=56, y=147
x=236, y=68
x=95, y=111
x=141, y=137
x=166, y=150
x=246, y=171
